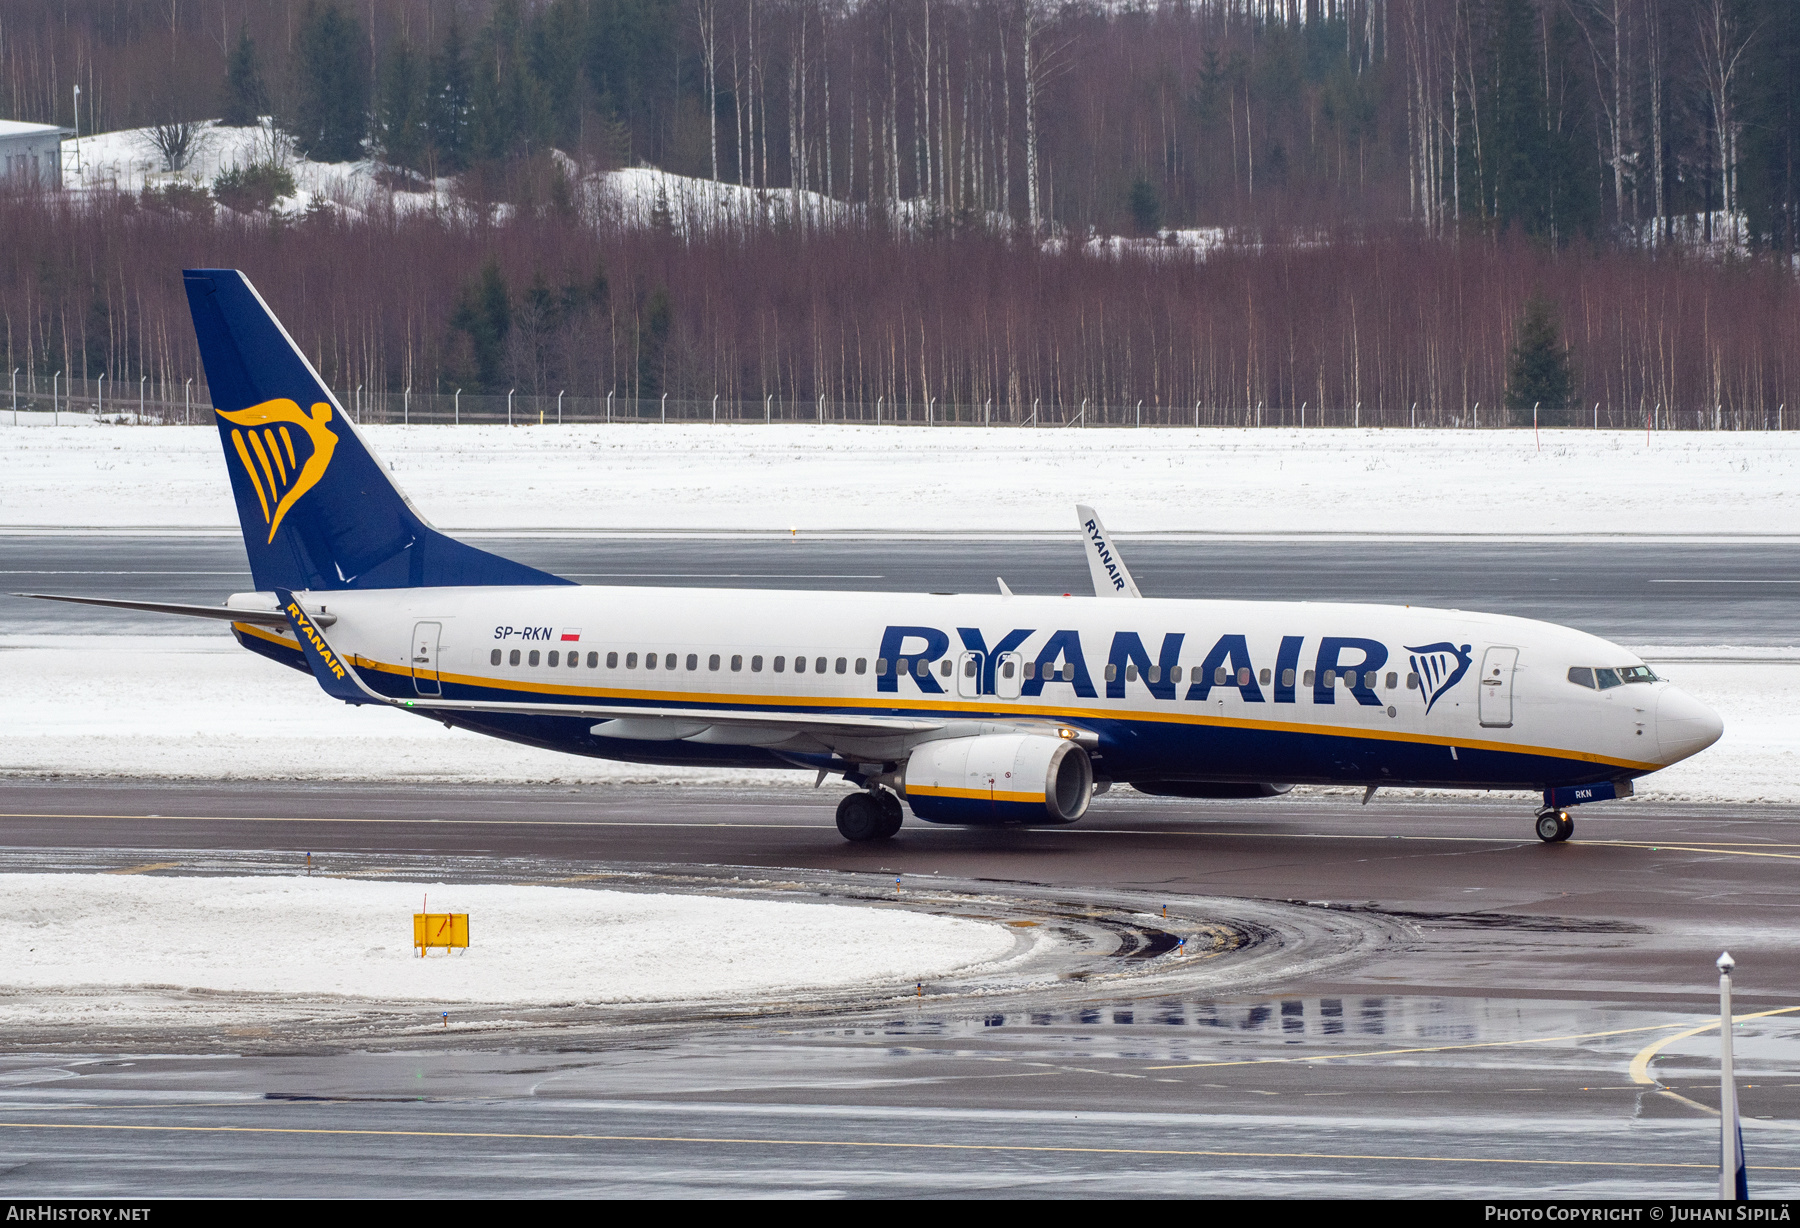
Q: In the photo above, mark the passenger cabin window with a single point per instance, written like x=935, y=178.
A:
x=1331, y=677
x=669, y=661
x=843, y=664
x=575, y=659
x=1308, y=679
x=737, y=663
x=969, y=668
x=819, y=665
x=712, y=662
x=780, y=664
x=1006, y=668
x=1112, y=672
x=533, y=658
x=862, y=665
x=649, y=660
x=1220, y=675
x=555, y=659
x=1412, y=682
x=1393, y=680
x=756, y=665
x=1265, y=677
x=1030, y=668
x=513, y=657
x=921, y=668
x=1287, y=678
x=1175, y=674
x=1243, y=676
x=880, y=667
x=593, y=660
x=944, y=667
x=1349, y=679
x=612, y=660
x=631, y=660
x=494, y=657
x=694, y=661
x=799, y=665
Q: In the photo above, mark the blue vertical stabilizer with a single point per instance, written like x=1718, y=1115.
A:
x=317, y=509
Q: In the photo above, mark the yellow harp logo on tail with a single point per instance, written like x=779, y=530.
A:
x=265, y=438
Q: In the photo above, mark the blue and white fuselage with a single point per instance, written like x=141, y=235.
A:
x=973, y=708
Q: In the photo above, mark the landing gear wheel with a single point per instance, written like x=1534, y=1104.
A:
x=859, y=818
x=1555, y=826
x=892, y=813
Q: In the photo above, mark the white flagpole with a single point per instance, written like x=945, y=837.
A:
x=1733, y=1184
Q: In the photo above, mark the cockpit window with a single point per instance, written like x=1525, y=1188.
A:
x=1606, y=678
x=1637, y=673
x=1581, y=675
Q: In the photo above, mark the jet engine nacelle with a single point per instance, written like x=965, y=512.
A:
x=998, y=778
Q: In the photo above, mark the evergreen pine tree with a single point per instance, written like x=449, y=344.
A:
x=331, y=110
x=1518, y=136
x=484, y=315
x=246, y=96
x=1146, y=210
x=1539, y=372
x=400, y=115
x=447, y=117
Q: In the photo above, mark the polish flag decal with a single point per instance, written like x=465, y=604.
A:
x=570, y=633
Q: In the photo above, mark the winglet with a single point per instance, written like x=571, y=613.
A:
x=332, y=671
x=1111, y=579
x=1004, y=591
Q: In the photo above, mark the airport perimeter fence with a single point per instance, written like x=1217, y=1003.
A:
x=149, y=401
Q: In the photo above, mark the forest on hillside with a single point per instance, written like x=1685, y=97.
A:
x=1399, y=179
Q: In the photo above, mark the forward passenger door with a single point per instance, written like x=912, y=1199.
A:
x=1496, y=687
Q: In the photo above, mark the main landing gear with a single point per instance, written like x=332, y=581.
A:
x=875, y=815
x=1553, y=826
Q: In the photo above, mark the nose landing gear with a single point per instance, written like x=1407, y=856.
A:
x=1554, y=826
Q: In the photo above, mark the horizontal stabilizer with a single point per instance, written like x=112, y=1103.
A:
x=225, y=613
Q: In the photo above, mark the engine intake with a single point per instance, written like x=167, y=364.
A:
x=998, y=778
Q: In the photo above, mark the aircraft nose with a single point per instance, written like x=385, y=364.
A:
x=1684, y=725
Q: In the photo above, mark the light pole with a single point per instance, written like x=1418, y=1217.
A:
x=1733, y=1186
x=15, y=395
x=406, y=406
x=456, y=408
x=55, y=384
x=142, y=380
x=187, y=403
x=509, y=396
x=559, y=397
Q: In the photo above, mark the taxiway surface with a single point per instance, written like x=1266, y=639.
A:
x=1493, y=1032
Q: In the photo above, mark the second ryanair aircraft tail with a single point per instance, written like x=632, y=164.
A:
x=317, y=509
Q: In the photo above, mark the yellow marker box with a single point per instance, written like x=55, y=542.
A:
x=440, y=929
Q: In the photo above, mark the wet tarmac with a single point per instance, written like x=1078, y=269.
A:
x=1443, y=1006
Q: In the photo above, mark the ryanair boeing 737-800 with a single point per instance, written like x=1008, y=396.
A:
x=973, y=709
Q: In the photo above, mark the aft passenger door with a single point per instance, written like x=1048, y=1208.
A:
x=424, y=656
x=1497, y=687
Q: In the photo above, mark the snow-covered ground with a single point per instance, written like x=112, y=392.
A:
x=960, y=479
x=308, y=938
x=201, y=707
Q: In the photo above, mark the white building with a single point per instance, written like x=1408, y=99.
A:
x=31, y=153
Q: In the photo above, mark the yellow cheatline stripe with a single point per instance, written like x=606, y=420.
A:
x=237, y=439
x=835, y=706
x=1640, y=1065
x=994, y=795
x=1486, y=1044
x=1028, y=1148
